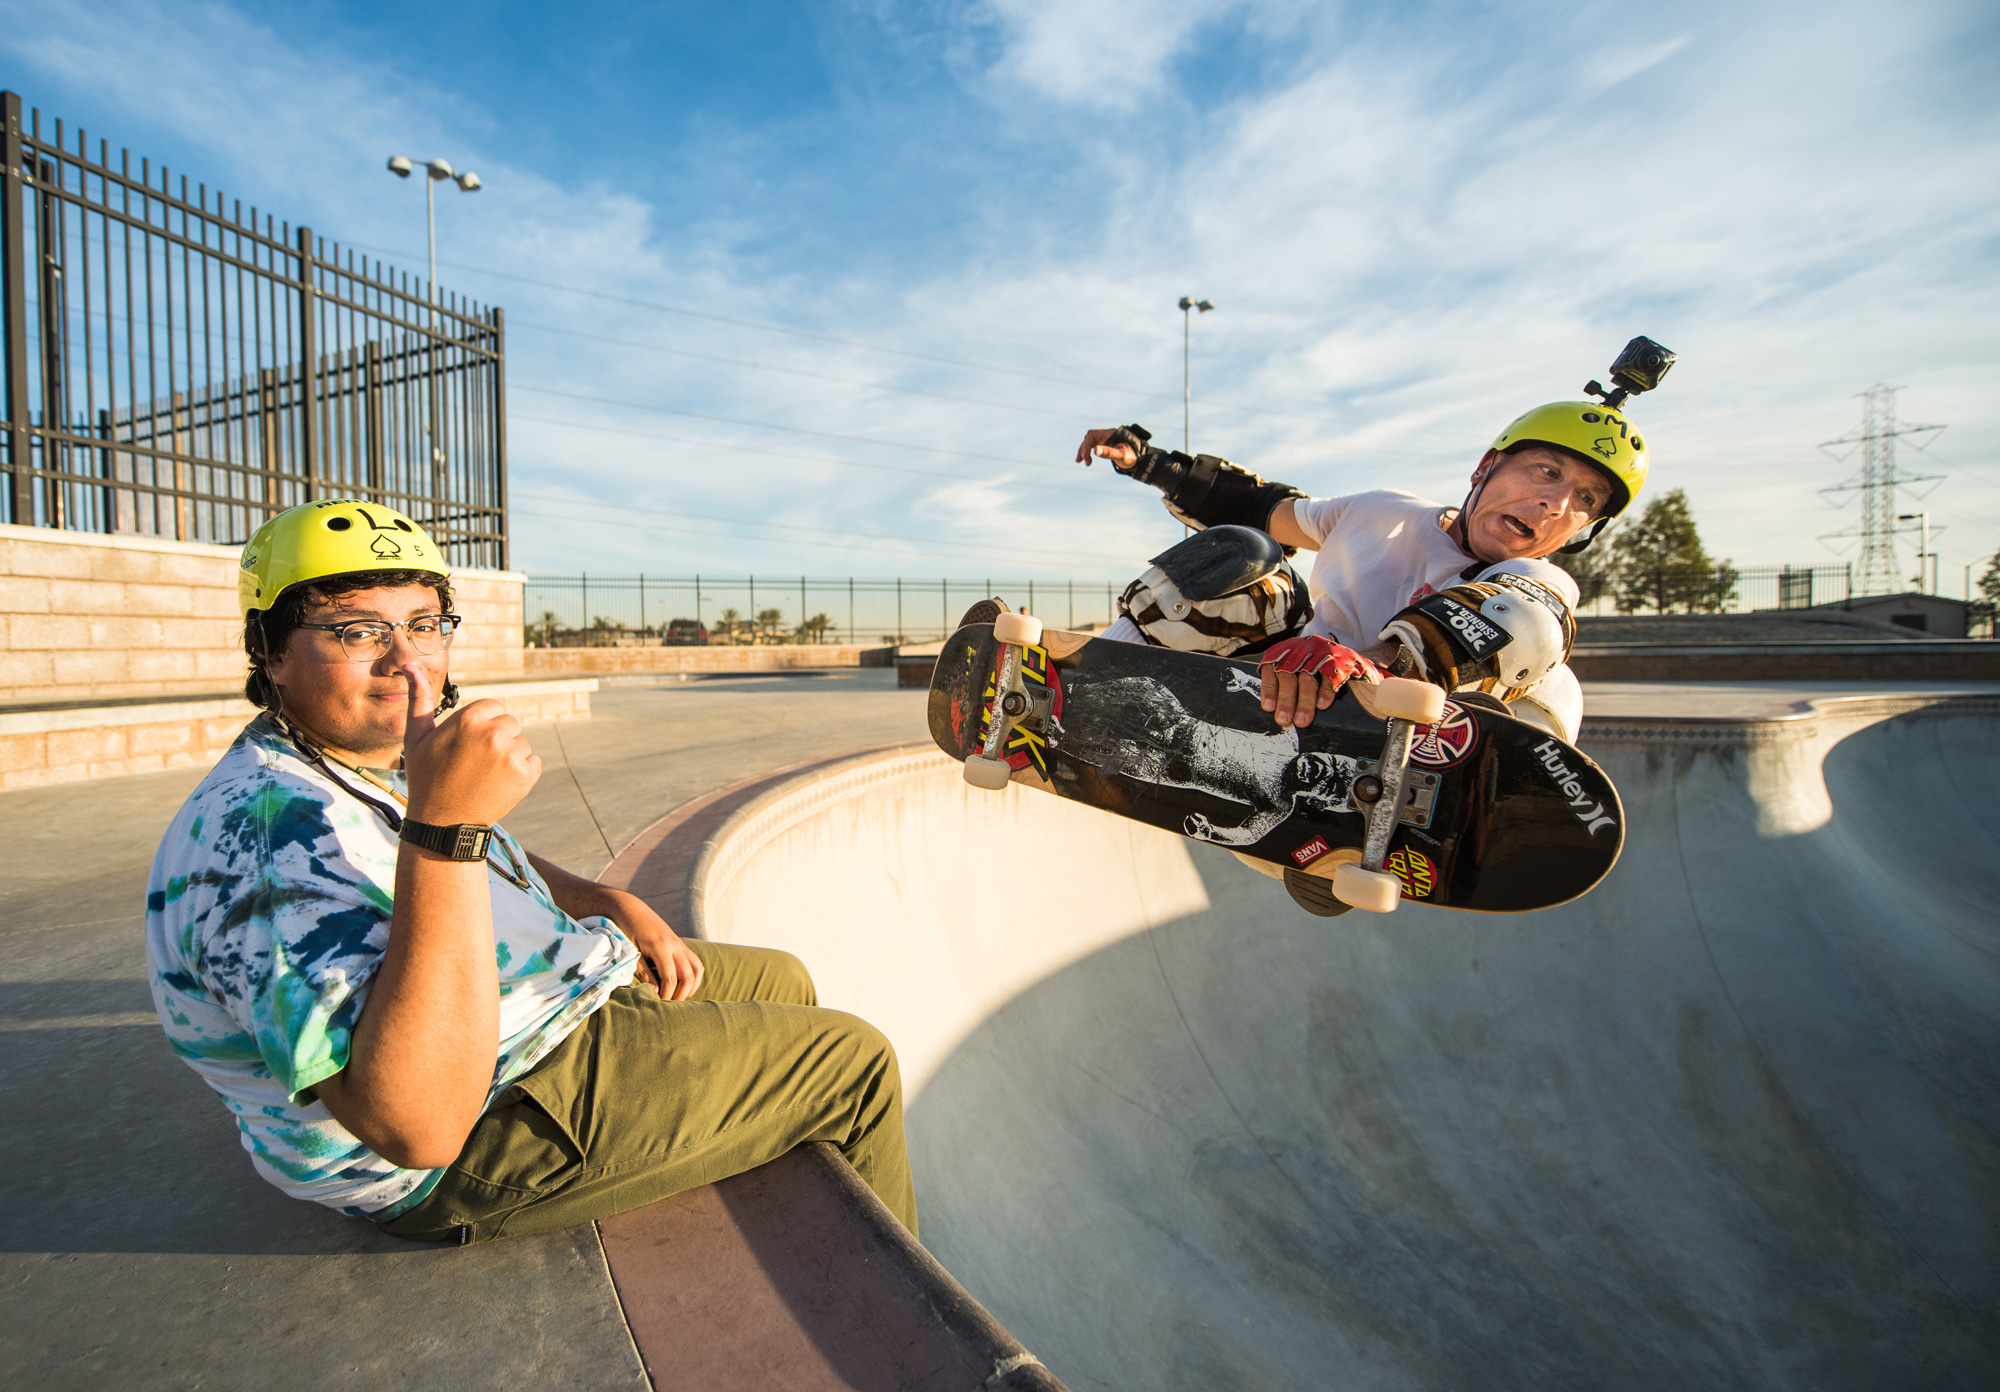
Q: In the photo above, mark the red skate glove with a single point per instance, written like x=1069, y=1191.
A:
x=1288, y=665
x=1322, y=658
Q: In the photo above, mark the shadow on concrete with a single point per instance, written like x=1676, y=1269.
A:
x=116, y=1146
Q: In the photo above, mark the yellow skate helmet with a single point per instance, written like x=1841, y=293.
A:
x=336, y=536
x=1593, y=431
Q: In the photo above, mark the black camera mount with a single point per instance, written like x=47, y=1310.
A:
x=1637, y=369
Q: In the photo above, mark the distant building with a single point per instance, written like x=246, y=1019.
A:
x=1934, y=616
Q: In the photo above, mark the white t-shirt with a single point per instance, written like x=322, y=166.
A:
x=1381, y=552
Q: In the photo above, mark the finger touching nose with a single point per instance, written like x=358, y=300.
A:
x=423, y=703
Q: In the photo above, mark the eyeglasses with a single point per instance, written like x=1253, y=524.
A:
x=364, y=640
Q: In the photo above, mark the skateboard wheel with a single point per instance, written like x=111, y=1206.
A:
x=992, y=774
x=1024, y=629
x=1399, y=698
x=1373, y=890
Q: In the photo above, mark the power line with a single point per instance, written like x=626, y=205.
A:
x=735, y=448
x=1068, y=415
x=795, y=371
x=785, y=329
x=787, y=429
x=929, y=545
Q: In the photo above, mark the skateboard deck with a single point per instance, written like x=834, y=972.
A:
x=1498, y=816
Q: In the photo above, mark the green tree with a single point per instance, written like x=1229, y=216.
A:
x=1661, y=564
x=813, y=630
x=769, y=620
x=728, y=622
x=1988, y=603
x=543, y=630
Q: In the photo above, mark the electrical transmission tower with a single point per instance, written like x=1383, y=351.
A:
x=1877, y=570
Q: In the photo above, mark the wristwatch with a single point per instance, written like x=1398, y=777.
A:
x=466, y=841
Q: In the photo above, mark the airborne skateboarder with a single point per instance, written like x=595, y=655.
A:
x=1464, y=596
x=413, y=1019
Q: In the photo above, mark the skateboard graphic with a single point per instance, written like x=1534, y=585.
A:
x=1395, y=791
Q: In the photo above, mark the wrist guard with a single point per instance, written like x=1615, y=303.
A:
x=1504, y=634
x=1203, y=490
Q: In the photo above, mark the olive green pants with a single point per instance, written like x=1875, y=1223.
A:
x=649, y=1097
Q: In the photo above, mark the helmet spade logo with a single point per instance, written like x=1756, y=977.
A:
x=1607, y=447
x=385, y=547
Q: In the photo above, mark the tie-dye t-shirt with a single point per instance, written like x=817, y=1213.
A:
x=266, y=917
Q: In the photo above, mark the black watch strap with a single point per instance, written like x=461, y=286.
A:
x=466, y=841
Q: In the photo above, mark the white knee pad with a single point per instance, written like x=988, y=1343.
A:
x=1535, y=643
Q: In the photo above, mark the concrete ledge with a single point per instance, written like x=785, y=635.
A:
x=539, y=662
x=1907, y=660
x=536, y=699
x=798, y=1278
x=795, y=1273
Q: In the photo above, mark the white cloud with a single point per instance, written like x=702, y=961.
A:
x=1605, y=68
x=1107, y=55
x=1424, y=228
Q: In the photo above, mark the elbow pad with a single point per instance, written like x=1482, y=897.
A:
x=1506, y=634
x=1555, y=705
x=1204, y=491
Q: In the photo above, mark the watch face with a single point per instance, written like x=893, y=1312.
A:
x=471, y=843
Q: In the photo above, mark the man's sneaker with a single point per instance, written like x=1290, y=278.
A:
x=986, y=611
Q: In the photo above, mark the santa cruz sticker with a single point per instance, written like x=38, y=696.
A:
x=1311, y=851
x=1446, y=743
x=1414, y=870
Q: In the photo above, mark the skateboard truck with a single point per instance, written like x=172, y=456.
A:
x=1012, y=702
x=1405, y=704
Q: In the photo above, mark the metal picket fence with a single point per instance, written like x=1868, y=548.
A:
x=177, y=365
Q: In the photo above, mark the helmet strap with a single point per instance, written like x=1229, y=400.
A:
x=1462, y=523
x=1584, y=541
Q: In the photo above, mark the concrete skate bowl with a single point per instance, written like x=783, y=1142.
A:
x=1732, y=1120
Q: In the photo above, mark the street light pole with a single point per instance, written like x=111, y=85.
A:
x=436, y=171
x=1926, y=563
x=1188, y=307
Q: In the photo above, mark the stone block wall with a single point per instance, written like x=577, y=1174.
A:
x=70, y=743
x=89, y=617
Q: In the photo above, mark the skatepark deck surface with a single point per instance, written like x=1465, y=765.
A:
x=1728, y=1121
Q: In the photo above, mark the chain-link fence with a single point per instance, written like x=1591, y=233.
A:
x=612, y=610
x=624, y=610
x=1723, y=589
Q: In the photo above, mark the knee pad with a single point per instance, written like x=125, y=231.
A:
x=1271, y=607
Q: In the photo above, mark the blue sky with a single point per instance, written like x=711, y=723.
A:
x=865, y=272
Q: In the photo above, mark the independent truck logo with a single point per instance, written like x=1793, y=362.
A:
x=1589, y=812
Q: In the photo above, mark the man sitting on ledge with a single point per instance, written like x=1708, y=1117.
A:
x=414, y=1020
